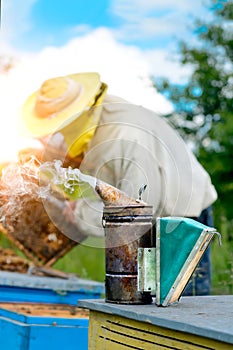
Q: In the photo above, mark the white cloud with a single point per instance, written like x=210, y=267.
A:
x=164, y=64
x=129, y=9
x=151, y=19
x=145, y=6
x=124, y=68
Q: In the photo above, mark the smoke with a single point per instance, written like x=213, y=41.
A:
x=67, y=177
x=20, y=184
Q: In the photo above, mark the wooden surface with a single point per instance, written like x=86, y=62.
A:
x=45, y=310
x=204, y=322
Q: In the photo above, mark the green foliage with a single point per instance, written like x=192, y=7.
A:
x=86, y=260
x=222, y=266
x=204, y=106
x=203, y=115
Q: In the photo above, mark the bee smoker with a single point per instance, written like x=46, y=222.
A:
x=130, y=252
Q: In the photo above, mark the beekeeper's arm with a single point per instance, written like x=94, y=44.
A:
x=124, y=163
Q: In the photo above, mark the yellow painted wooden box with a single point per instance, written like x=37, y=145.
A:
x=192, y=324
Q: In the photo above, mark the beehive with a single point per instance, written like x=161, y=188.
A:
x=43, y=326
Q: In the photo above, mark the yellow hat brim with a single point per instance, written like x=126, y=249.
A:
x=40, y=127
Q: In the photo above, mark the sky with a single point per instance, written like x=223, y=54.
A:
x=126, y=41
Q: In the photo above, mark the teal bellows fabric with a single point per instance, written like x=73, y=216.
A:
x=178, y=237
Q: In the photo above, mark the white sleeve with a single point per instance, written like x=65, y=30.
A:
x=88, y=216
x=122, y=163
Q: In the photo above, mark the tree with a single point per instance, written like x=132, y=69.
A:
x=204, y=106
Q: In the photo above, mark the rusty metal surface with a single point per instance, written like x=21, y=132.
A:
x=122, y=259
x=133, y=211
x=126, y=229
x=122, y=289
x=121, y=234
x=112, y=196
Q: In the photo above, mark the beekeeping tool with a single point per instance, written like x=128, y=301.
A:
x=180, y=244
x=128, y=230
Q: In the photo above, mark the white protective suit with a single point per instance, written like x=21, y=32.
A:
x=133, y=146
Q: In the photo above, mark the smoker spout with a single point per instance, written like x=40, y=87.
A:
x=111, y=196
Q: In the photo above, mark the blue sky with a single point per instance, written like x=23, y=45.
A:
x=55, y=23
x=148, y=24
x=152, y=27
x=126, y=41
x=61, y=21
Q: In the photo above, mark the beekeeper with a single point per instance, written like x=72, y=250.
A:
x=123, y=144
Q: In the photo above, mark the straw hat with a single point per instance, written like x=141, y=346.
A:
x=58, y=102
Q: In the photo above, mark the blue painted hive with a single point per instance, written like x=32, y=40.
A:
x=41, y=312
x=18, y=287
x=43, y=326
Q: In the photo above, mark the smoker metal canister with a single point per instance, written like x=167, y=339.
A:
x=126, y=230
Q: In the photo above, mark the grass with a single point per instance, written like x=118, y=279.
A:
x=222, y=258
x=88, y=261
x=222, y=267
